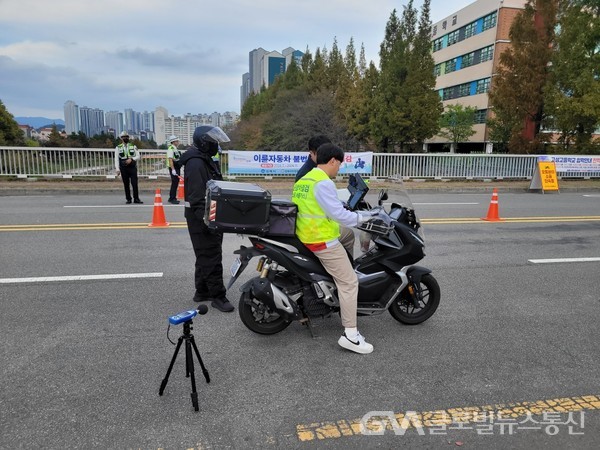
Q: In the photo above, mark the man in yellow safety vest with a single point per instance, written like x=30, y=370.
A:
x=320, y=214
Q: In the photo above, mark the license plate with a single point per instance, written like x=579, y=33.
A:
x=235, y=267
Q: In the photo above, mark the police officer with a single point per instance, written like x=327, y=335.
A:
x=199, y=168
x=126, y=155
x=173, y=155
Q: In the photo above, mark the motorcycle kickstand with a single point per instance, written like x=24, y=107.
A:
x=308, y=323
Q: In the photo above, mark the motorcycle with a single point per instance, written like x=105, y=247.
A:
x=293, y=285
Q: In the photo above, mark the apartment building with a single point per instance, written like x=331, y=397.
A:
x=184, y=127
x=466, y=47
x=264, y=67
x=72, y=118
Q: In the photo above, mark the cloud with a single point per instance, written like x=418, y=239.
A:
x=185, y=56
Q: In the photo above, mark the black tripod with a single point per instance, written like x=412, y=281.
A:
x=189, y=362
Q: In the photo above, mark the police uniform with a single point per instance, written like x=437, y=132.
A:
x=123, y=152
x=174, y=154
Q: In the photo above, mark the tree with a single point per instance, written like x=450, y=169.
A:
x=10, y=133
x=456, y=123
x=405, y=106
x=517, y=92
x=424, y=104
x=573, y=91
x=55, y=139
x=388, y=121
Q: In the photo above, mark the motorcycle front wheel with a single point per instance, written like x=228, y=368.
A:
x=427, y=295
x=258, y=317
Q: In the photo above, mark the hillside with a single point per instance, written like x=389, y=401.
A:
x=39, y=122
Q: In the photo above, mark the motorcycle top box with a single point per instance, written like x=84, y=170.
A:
x=233, y=207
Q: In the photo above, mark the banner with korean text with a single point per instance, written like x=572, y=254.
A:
x=573, y=163
x=288, y=163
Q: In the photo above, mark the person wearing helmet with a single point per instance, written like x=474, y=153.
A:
x=207, y=244
x=126, y=155
x=173, y=155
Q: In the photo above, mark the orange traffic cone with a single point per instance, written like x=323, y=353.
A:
x=180, y=190
x=158, y=217
x=492, y=215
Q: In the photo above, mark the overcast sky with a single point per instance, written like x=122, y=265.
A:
x=185, y=55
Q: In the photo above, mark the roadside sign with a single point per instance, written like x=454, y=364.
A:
x=545, y=177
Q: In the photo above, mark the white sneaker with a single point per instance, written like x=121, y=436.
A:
x=358, y=346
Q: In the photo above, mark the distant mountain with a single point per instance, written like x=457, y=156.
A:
x=39, y=122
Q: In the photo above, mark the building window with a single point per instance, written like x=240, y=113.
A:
x=437, y=70
x=480, y=116
x=450, y=66
x=487, y=53
x=437, y=44
x=444, y=24
x=470, y=30
x=489, y=21
x=450, y=93
x=453, y=37
x=464, y=90
x=434, y=32
x=467, y=60
x=483, y=86
x=454, y=20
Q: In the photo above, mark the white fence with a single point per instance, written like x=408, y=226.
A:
x=77, y=162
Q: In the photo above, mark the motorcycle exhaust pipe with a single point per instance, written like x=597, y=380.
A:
x=265, y=291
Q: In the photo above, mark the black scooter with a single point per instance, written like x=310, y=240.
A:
x=293, y=285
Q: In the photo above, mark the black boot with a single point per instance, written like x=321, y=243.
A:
x=222, y=304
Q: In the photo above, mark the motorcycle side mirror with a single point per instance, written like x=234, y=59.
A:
x=383, y=196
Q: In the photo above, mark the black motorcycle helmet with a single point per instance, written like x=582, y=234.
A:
x=207, y=139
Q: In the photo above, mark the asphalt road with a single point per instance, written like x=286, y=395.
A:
x=82, y=360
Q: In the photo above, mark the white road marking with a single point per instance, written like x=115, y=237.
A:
x=116, y=276
x=118, y=206
x=449, y=203
x=562, y=260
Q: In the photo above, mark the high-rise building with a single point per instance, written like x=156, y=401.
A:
x=92, y=120
x=466, y=47
x=229, y=119
x=114, y=121
x=273, y=64
x=133, y=121
x=255, y=65
x=147, y=121
x=72, y=122
x=292, y=55
x=245, y=87
x=184, y=127
x=264, y=68
x=160, y=118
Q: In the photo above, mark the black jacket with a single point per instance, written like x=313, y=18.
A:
x=199, y=168
x=308, y=165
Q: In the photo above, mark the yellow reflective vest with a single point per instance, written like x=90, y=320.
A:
x=176, y=154
x=312, y=224
x=126, y=151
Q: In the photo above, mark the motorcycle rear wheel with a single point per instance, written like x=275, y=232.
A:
x=428, y=295
x=258, y=317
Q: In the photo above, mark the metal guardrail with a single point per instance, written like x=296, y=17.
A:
x=77, y=162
